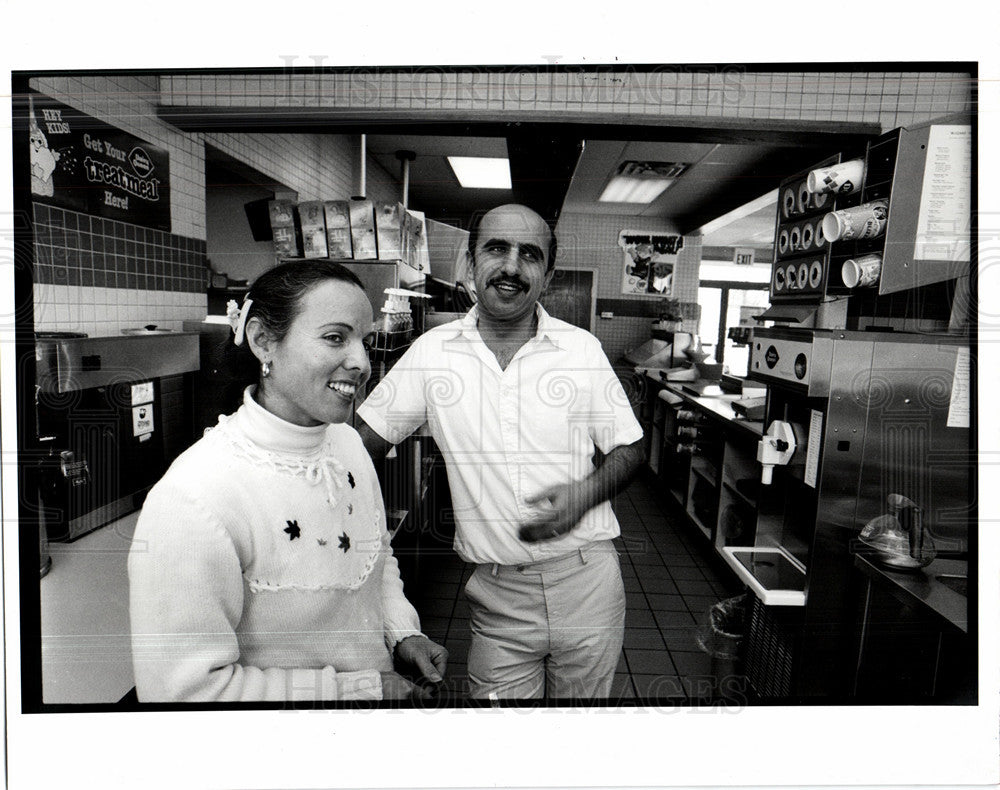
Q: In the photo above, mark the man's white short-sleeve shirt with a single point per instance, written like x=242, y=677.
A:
x=507, y=434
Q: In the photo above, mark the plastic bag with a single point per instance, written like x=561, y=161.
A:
x=722, y=635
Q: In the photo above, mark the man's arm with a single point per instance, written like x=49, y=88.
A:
x=376, y=446
x=566, y=504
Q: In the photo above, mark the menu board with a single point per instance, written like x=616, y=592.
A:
x=83, y=164
x=943, y=226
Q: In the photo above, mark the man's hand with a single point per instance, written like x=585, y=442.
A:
x=562, y=507
x=429, y=659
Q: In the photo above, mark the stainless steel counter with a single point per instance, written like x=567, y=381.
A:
x=924, y=587
x=69, y=364
x=714, y=401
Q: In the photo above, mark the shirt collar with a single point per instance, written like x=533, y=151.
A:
x=547, y=329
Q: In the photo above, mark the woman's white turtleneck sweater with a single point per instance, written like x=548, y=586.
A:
x=261, y=569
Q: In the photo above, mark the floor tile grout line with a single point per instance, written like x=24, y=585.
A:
x=701, y=562
x=649, y=608
x=635, y=524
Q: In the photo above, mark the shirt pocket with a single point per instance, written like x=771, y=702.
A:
x=555, y=411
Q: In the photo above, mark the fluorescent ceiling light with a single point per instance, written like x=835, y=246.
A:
x=641, y=182
x=625, y=189
x=477, y=172
x=771, y=198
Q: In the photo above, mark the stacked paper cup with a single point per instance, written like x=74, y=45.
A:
x=862, y=271
x=843, y=179
x=860, y=222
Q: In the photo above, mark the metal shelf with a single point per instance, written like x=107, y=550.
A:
x=707, y=473
x=742, y=497
x=698, y=523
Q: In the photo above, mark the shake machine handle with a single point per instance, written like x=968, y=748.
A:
x=775, y=448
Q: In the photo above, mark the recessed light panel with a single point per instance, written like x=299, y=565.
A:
x=475, y=172
x=622, y=189
x=641, y=182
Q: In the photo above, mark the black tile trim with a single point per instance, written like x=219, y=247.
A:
x=132, y=256
x=642, y=308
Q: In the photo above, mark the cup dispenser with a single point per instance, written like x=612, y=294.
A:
x=892, y=219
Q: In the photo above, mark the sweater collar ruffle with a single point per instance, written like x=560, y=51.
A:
x=274, y=434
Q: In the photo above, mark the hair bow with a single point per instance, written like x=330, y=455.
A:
x=237, y=317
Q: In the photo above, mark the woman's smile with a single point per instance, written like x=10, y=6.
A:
x=345, y=389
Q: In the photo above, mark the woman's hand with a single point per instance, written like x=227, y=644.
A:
x=395, y=686
x=427, y=657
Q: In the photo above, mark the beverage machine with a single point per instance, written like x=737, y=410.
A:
x=869, y=444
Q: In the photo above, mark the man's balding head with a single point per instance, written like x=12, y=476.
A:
x=532, y=222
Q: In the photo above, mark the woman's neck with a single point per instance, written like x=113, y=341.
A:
x=281, y=408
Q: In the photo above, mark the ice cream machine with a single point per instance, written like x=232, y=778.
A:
x=853, y=420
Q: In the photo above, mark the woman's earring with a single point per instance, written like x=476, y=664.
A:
x=265, y=369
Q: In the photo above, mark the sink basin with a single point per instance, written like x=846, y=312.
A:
x=959, y=584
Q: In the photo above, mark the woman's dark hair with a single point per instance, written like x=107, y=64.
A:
x=277, y=299
x=278, y=292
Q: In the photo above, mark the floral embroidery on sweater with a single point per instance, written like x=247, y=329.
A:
x=319, y=467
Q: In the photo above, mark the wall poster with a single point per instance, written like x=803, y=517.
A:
x=82, y=164
x=649, y=261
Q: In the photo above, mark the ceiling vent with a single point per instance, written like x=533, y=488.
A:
x=633, y=169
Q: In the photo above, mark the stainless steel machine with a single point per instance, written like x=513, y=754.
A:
x=869, y=443
x=852, y=419
x=101, y=425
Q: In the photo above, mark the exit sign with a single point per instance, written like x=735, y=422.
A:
x=742, y=256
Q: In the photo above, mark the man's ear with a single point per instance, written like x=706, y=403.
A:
x=259, y=340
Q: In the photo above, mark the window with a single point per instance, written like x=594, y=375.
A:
x=730, y=295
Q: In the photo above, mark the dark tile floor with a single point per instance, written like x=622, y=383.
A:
x=670, y=578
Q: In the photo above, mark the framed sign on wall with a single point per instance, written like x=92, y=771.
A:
x=82, y=164
x=648, y=266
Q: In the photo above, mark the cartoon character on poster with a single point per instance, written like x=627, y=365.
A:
x=649, y=262
x=43, y=162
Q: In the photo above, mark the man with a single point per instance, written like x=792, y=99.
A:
x=517, y=401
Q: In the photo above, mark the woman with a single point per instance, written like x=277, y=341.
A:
x=260, y=567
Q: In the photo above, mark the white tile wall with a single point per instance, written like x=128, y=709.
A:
x=591, y=242
x=101, y=312
x=317, y=167
x=667, y=91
